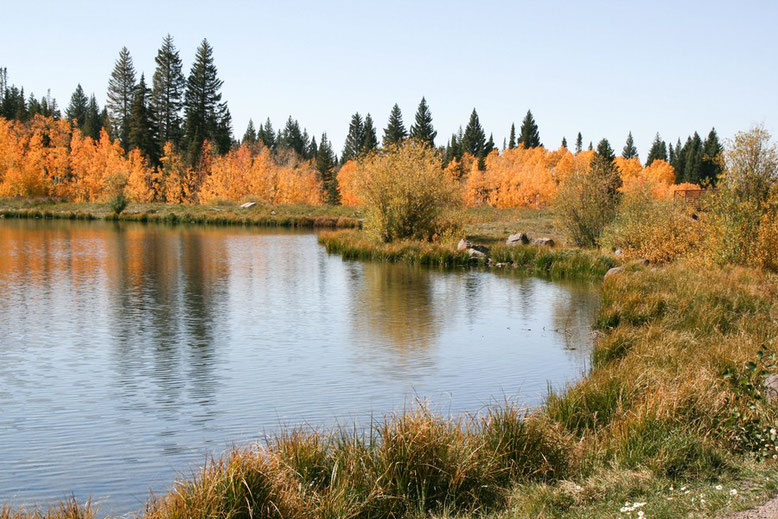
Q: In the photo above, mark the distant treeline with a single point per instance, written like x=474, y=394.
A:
x=188, y=110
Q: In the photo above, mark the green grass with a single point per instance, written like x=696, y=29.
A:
x=299, y=216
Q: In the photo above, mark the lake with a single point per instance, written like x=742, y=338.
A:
x=130, y=353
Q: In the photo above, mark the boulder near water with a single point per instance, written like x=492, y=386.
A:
x=612, y=271
x=517, y=239
x=543, y=242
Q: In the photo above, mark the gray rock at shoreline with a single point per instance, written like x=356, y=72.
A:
x=771, y=388
x=614, y=270
x=543, y=242
x=517, y=239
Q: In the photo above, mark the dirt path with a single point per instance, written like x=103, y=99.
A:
x=769, y=510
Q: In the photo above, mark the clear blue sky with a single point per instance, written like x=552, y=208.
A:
x=602, y=68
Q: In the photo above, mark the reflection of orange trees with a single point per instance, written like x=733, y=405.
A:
x=398, y=306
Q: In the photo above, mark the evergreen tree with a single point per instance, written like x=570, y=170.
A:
x=711, y=167
x=266, y=135
x=679, y=160
x=603, y=162
x=313, y=148
x=167, y=93
x=504, y=144
x=578, y=143
x=629, y=151
x=326, y=163
x=121, y=92
x=422, y=128
x=658, y=151
x=395, y=132
x=692, y=169
x=93, y=119
x=564, y=142
x=529, y=135
x=512, y=139
x=369, y=139
x=207, y=118
x=76, y=110
x=474, y=140
x=604, y=151
x=105, y=121
x=354, y=139
x=292, y=137
x=590, y=146
x=489, y=145
x=250, y=137
x=142, y=135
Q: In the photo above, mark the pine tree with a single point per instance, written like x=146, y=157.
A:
x=474, y=140
x=167, y=92
x=76, y=110
x=121, y=91
x=266, y=135
x=578, y=143
x=354, y=139
x=142, y=135
x=369, y=139
x=604, y=151
x=207, y=118
x=313, y=148
x=629, y=151
x=250, y=136
x=529, y=135
x=512, y=139
x=93, y=120
x=564, y=142
x=105, y=121
x=422, y=128
x=325, y=163
x=658, y=151
x=692, y=169
x=604, y=163
x=292, y=137
x=590, y=146
x=679, y=160
x=489, y=145
x=711, y=167
x=395, y=132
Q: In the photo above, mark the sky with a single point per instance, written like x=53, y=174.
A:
x=601, y=68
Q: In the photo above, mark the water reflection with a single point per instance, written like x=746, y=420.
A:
x=129, y=352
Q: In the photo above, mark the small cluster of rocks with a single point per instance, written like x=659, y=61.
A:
x=476, y=251
x=520, y=238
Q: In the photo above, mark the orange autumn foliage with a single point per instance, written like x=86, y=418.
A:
x=347, y=184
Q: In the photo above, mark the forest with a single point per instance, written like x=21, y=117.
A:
x=171, y=140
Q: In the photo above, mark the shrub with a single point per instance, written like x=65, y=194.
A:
x=586, y=203
x=406, y=193
x=118, y=203
x=657, y=230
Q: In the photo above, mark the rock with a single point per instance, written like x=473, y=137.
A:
x=480, y=248
x=617, y=252
x=517, y=239
x=614, y=270
x=247, y=205
x=771, y=388
x=273, y=212
x=543, y=242
x=463, y=244
x=476, y=254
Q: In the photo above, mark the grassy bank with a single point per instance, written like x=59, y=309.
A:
x=558, y=263
x=297, y=216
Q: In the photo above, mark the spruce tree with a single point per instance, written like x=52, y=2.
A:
x=76, y=110
x=658, y=151
x=422, y=129
x=564, y=142
x=512, y=139
x=629, y=151
x=692, y=169
x=395, y=132
x=326, y=162
x=489, y=145
x=474, y=140
x=121, y=92
x=354, y=139
x=207, y=118
x=590, y=146
x=679, y=160
x=250, y=136
x=313, y=148
x=369, y=139
x=142, y=134
x=604, y=151
x=529, y=135
x=292, y=137
x=93, y=121
x=603, y=162
x=711, y=167
x=167, y=92
x=267, y=135
x=578, y=143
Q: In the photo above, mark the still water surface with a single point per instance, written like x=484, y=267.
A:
x=130, y=353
